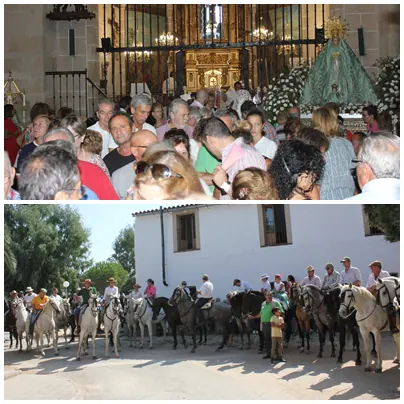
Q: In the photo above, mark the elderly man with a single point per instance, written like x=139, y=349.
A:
x=194, y=117
x=121, y=127
x=178, y=113
x=105, y=110
x=332, y=277
x=311, y=278
x=122, y=179
x=235, y=154
x=350, y=274
x=244, y=286
x=140, y=110
x=378, y=168
x=38, y=303
x=92, y=177
x=29, y=296
x=205, y=292
x=201, y=98
x=50, y=173
x=85, y=295
x=135, y=293
x=377, y=273
x=9, y=173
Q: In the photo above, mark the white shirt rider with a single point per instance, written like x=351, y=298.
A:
x=136, y=294
x=28, y=298
x=279, y=287
x=265, y=286
x=372, y=281
x=206, y=290
x=110, y=291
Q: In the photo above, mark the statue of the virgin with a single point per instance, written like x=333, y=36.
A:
x=337, y=75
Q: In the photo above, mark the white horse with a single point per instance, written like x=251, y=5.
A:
x=143, y=314
x=387, y=290
x=62, y=321
x=21, y=315
x=112, y=323
x=130, y=318
x=45, y=324
x=88, y=325
x=371, y=319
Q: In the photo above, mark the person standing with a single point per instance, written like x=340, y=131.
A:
x=350, y=274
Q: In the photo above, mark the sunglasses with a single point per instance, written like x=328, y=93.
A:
x=158, y=171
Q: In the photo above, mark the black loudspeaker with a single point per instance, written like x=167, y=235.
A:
x=179, y=75
x=72, y=42
x=361, y=42
x=106, y=44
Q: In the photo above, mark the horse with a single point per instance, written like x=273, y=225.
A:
x=143, y=314
x=302, y=317
x=388, y=289
x=371, y=319
x=44, y=324
x=173, y=318
x=112, y=323
x=62, y=321
x=88, y=325
x=21, y=315
x=219, y=312
x=10, y=323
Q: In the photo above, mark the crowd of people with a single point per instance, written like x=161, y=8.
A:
x=138, y=149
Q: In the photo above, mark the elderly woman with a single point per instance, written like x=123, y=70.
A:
x=295, y=170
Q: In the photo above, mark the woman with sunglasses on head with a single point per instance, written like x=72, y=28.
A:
x=165, y=174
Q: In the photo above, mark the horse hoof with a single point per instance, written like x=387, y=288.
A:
x=378, y=371
x=67, y=347
x=217, y=350
x=193, y=351
x=396, y=360
x=368, y=370
x=56, y=353
x=307, y=351
x=205, y=343
x=78, y=358
x=94, y=357
x=241, y=348
x=150, y=347
x=186, y=346
x=319, y=355
x=174, y=348
x=85, y=353
x=141, y=347
x=374, y=354
x=358, y=362
x=333, y=355
x=339, y=360
x=116, y=356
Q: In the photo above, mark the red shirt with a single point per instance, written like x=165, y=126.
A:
x=11, y=133
x=94, y=178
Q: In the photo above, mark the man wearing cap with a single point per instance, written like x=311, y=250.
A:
x=311, y=278
x=136, y=293
x=332, y=278
x=265, y=286
x=205, y=292
x=85, y=295
x=13, y=296
x=38, y=302
x=377, y=273
x=29, y=296
x=244, y=286
x=185, y=287
x=350, y=274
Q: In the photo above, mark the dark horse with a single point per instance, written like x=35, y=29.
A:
x=220, y=313
x=10, y=323
x=172, y=317
x=243, y=304
x=325, y=311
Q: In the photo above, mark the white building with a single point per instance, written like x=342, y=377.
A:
x=245, y=241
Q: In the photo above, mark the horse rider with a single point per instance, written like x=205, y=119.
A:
x=184, y=285
x=13, y=296
x=311, y=278
x=85, y=295
x=150, y=291
x=332, y=279
x=350, y=274
x=55, y=292
x=378, y=273
x=20, y=294
x=29, y=296
x=111, y=291
x=279, y=291
x=135, y=293
x=37, y=303
x=244, y=286
x=205, y=292
x=265, y=284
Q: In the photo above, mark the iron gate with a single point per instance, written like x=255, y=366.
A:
x=143, y=44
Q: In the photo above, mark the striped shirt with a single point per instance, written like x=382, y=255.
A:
x=331, y=280
x=251, y=158
x=337, y=182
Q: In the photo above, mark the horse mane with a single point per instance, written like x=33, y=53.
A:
x=356, y=290
x=391, y=278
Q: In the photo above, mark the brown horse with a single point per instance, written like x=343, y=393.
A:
x=302, y=317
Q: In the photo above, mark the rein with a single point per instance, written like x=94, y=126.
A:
x=190, y=307
x=347, y=308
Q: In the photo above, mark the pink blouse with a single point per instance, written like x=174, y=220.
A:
x=150, y=291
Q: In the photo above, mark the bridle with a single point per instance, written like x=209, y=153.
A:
x=114, y=309
x=310, y=298
x=138, y=306
x=178, y=296
x=390, y=304
x=352, y=299
x=94, y=308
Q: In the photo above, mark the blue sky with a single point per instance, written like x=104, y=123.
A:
x=105, y=222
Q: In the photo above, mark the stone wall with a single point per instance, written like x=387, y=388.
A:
x=381, y=24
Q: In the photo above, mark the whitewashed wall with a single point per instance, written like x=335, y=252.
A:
x=230, y=246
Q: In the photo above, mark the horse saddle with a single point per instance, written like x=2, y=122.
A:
x=207, y=305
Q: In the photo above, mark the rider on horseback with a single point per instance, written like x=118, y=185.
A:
x=205, y=292
x=85, y=294
x=38, y=302
x=110, y=292
x=331, y=281
x=28, y=297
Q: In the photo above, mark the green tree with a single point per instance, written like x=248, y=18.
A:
x=10, y=263
x=386, y=218
x=124, y=249
x=50, y=245
x=102, y=271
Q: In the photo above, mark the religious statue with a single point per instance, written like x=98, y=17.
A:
x=337, y=75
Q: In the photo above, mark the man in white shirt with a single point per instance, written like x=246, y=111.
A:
x=29, y=296
x=169, y=85
x=136, y=293
x=266, y=286
x=201, y=99
x=55, y=292
x=244, y=286
x=377, y=273
x=110, y=291
x=105, y=111
x=378, y=168
x=350, y=274
x=311, y=278
x=205, y=293
x=140, y=110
